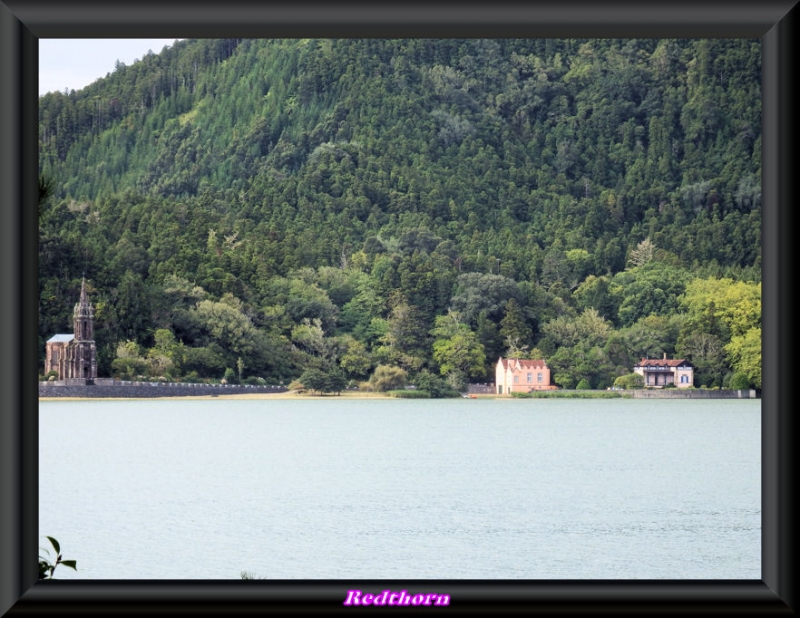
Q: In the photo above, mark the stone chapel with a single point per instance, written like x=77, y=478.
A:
x=74, y=356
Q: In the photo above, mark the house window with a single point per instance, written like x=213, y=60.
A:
x=516, y=379
x=530, y=377
x=684, y=379
x=538, y=377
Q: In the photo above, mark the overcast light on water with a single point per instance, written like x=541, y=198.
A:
x=394, y=489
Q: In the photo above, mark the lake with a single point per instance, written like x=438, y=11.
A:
x=340, y=488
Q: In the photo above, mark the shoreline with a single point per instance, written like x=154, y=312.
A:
x=240, y=396
x=290, y=395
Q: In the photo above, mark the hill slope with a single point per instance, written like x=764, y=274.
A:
x=365, y=187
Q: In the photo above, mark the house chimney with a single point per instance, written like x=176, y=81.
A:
x=665, y=356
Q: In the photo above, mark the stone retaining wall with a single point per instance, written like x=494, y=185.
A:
x=674, y=393
x=124, y=389
x=481, y=389
x=651, y=393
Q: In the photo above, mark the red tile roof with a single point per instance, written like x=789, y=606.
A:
x=519, y=363
x=662, y=362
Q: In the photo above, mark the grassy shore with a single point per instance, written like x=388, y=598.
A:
x=572, y=394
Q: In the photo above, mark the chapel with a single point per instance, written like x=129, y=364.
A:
x=74, y=356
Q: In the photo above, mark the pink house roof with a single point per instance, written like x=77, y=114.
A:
x=518, y=364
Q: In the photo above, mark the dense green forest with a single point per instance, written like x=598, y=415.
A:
x=378, y=211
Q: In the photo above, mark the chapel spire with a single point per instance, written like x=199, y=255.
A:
x=83, y=316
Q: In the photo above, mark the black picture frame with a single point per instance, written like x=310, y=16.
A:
x=23, y=22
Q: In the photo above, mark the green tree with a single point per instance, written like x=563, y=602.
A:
x=477, y=292
x=513, y=326
x=206, y=361
x=128, y=362
x=650, y=289
x=652, y=336
x=355, y=360
x=386, y=378
x=737, y=304
x=744, y=352
x=740, y=381
x=456, y=348
x=588, y=329
x=224, y=323
x=405, y=340
x=331, y=381
x=311, y=338
x=630, y=381
x=580, y=363
x=325, y=180
x=599, y=294
x=435, y=386
x=489, y=337
x=707, y=353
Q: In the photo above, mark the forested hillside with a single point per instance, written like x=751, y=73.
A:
x=409, y=210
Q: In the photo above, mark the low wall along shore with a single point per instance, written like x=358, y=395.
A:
x=642, y=393
x=103, y=387
x=692, y=393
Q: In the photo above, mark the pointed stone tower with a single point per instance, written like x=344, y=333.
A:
x=84, y=357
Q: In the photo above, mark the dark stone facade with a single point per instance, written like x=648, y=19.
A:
x=75, y=356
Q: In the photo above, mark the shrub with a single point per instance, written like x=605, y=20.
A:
x=296, y=385
x=740, y=382
x=409, y=394
x=323, y=381
x=564, y=380
x=435, y=386
x=629, y=381
x=387, y=377
x=571, y=394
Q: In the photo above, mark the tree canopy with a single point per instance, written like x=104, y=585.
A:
x=270, y=206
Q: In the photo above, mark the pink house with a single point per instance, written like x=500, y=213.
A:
x=515, y=375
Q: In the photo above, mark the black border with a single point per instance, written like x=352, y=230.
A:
x=23, y=22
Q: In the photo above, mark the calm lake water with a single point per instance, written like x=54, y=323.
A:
x=360, y=489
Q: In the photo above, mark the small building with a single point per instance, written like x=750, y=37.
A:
x=515, y=375
x=74, y=356
x=660, y=372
